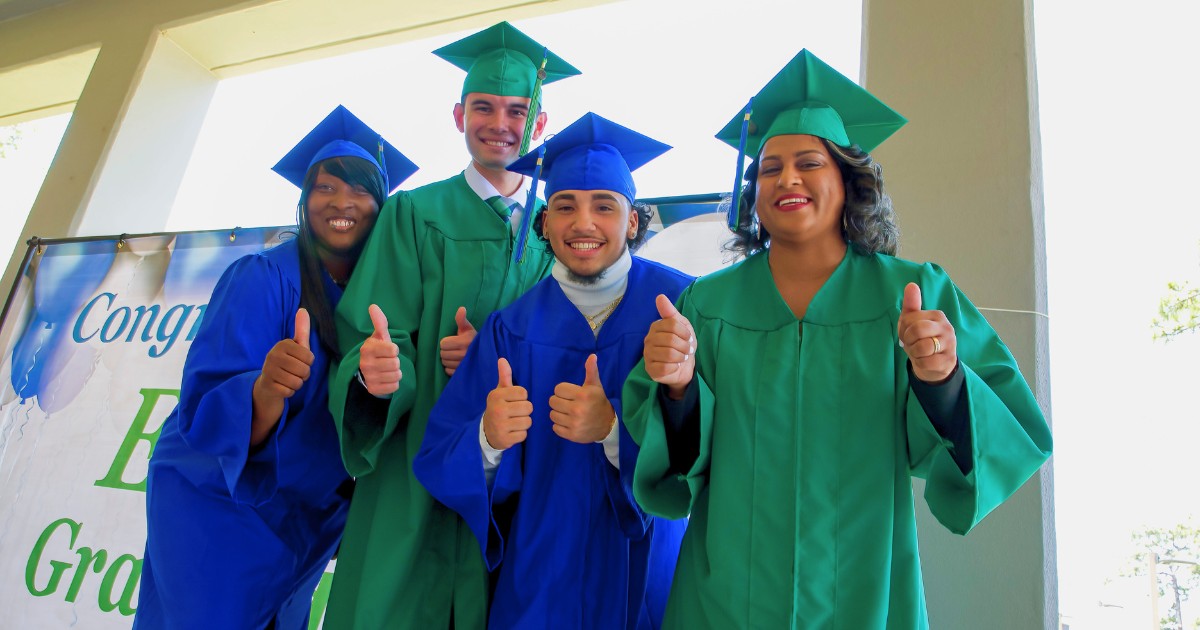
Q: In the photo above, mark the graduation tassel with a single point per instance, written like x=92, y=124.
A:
x=733, y=219
x=382, y=165
x=535, y=103
x=530, y=207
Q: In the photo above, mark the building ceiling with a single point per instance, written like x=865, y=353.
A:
x=254, y=37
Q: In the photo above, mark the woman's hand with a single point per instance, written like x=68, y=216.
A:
x=670, y=349
x=927, y=338
x=284, y=372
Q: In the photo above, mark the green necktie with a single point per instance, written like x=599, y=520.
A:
x=503, y=210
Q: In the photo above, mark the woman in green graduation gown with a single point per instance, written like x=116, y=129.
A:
x=787, y=401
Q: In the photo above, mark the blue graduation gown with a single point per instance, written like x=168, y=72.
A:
x=572, y=548
x=238, y=536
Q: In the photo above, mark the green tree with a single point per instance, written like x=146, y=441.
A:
x=8, y=139
x=1178, y=312
x=1172, y=554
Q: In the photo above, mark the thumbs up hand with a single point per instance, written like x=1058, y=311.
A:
x=454, y=347
x=285, y=369
x=582, y=413
x=506, y=420
x=927, y=338
x=287, y=365
x=379, y=357
x=670, y=349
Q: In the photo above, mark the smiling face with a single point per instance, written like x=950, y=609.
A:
x=799, y=192
x=588, y=230
x=340, y=216
x=493, y=126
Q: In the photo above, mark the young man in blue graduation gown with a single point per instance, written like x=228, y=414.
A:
x=525, y=442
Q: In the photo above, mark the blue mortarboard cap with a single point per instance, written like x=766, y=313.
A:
x=342, y=134
x=592, y=153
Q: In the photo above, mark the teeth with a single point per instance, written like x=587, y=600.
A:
x=497, y=143
x=341, y=223
x=794, y=200
x=585, y=245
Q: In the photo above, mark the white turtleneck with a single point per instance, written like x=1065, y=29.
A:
x=590, y=299
x=593, y=298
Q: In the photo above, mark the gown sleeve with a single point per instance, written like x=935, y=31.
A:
x=449, y=463
x=1006, y=434
x=387, y=274
x=619, y=479
x=245, y=318
x=656, y=485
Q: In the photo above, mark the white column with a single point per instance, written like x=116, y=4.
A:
x=141, y=175
x=965, y=175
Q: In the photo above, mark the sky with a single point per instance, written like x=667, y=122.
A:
x=1117, y=120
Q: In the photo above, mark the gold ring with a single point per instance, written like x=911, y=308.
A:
x=937, y=345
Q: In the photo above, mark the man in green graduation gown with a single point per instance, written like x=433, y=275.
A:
x=441, y=259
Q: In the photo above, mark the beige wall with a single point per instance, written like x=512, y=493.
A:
x=966, y=178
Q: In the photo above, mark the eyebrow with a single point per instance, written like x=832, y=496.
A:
x=603, y=196
x=796, y=154
x=563, y=196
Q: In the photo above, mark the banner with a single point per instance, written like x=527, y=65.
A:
x=94, y=337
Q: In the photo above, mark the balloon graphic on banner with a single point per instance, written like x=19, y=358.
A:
x=66, y=275
x=65, y=370
x=199, y=259
x=20, y=311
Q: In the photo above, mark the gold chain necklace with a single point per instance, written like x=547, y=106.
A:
x=597, y=320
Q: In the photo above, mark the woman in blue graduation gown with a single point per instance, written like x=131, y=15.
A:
x=246, y=493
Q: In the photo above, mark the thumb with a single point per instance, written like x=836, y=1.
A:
x=505, y=372
x=460, y=318
x=591, y=371
x=302, y=328
x=912, y=298
x=379, y=322
x=666, y=309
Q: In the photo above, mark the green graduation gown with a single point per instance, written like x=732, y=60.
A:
x=801, y=499
x=407, y=561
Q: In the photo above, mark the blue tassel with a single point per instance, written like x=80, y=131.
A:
x=530, y=207
x=732, y=217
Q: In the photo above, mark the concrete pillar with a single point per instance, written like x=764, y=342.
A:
x=965, y=176
x=141, y=175
x=124, y=152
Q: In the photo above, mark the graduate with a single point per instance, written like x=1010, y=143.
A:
x=786, y=402
x=442, y=258
x=246, y=495
x=525, y=441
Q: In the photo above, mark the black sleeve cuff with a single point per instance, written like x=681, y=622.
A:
x=946, y=406
x=681, y=421
x=361, y=402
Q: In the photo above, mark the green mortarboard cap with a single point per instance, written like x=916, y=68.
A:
x=810, y=97
x=503, y=61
